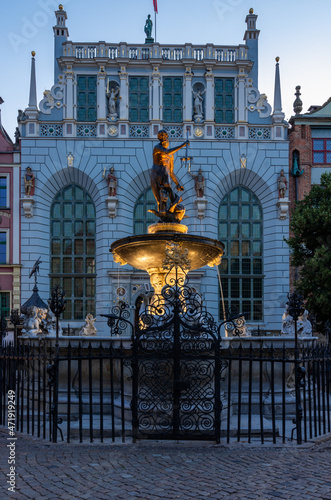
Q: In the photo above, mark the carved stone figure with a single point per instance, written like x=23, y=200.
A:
x=282, y=185
x=50, y=324
x=112, y=98
x=33, y=321
x=17, y=135
x=161, y=172
x=198, y=102
x=29, y=182
x=287, y=323
x=89, y=328
x=112, y=182
x=148, y=27
x=21, y=116
x=199, y=182
x=304, y=326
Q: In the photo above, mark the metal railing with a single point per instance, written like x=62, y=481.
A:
x=83, y=391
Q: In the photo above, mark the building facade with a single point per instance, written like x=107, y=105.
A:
x=10, y=268
x=105, y=109
x=310, y=146
x=310, y=151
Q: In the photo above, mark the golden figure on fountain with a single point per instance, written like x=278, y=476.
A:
x=161, y=173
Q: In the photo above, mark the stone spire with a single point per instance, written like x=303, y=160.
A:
x=278, y=115
x=33, y=84
x=297, y=105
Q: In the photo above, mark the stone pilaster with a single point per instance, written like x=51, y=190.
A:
x=69, y=109
x=124, y=94
x=101, y=94
x=188, y=112
x=241, y=98
x=156, y=88
x=209, y=95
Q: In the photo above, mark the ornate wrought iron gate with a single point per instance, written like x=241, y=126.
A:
x=176, y=369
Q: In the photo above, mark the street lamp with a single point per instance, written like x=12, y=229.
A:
x=57, y=305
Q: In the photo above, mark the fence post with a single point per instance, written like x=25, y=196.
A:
x=57, y=304
x=296, y=309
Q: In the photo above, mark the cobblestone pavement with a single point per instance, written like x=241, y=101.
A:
x=160, y=471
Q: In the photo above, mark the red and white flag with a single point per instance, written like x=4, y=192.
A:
x=155, y=6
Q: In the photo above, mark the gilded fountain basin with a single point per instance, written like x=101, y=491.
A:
x=148, y=251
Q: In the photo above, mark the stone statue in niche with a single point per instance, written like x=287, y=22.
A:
x=282, y=185
x=198, y=104
x=112, y=95
x=199, y=184
x=112, y=100
x=29, y=182
x=111, y=180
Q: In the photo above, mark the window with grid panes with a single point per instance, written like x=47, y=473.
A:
x=73, y=250
x=172, y=99
x=224, y=100
x=143, y=218
x=139, y=99
x=241, y=230
x=3, y=192
x=3, y=247
x=86, y=98
x=5, y=304
x=321, y=151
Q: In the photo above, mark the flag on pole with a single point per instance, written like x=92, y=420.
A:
x=155, y=6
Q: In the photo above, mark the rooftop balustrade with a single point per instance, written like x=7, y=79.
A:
x=210, y=52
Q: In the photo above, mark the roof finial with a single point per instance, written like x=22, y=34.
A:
x=60, y=6
x=251, y=10
x=297, y=105
x=33, y=84
x=278, y=115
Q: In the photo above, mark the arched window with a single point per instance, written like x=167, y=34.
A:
x=241, y=230
x=73, y=250
x=143, y=218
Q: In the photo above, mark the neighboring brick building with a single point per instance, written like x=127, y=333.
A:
x=10, y=269
x=309, y=149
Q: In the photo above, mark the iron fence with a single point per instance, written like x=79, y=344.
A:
x=88, y=391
